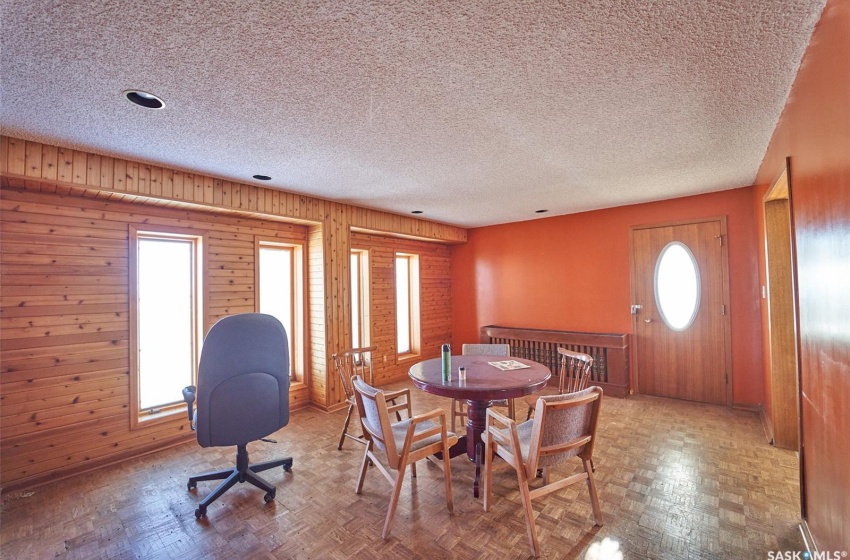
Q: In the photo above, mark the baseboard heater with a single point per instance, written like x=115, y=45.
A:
x=610, y=352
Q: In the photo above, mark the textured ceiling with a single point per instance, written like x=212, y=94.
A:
x=476, y=112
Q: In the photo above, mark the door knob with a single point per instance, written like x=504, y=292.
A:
x=647, y=320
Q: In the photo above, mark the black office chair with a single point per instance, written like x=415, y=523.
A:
x=243, y=396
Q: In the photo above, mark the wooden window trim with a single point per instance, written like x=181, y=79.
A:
x=138, y=417
x=363, y=272
x=298, y=338
x=414, y=307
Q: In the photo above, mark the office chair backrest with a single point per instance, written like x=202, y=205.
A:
x=243, y=380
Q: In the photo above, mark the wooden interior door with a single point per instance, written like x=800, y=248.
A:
x=783, y=390
x=674, y=359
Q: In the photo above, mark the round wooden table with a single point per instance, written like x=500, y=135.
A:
x=484, y=383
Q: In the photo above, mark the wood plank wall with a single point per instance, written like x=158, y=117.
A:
x=435, y=300
x=64, y=378
x=64, y=192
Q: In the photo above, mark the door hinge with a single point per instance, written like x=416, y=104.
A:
x=719, y=239
x=723, y=309
x=727, y=379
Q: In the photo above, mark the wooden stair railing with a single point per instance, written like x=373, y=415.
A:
x=610, y=352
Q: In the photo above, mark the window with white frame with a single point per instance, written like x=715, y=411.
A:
x=280, y=292
x=407, y=303
x=359, y=298
x=166, y=319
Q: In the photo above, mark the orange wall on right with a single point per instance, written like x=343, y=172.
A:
x=572, y=273
x=814, y=132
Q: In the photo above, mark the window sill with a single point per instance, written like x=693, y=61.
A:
x=407, y=358
x=166, y=414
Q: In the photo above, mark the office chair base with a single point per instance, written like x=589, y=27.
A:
x=242, y=473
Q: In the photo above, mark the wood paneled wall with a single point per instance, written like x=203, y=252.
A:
x=64, y=379
x=814, y=132
x=434, y=298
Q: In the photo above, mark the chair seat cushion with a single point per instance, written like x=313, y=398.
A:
x=400, y=432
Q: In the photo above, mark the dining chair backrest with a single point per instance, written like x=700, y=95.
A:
x=575, y=371
x=375, y=418
x=403, y=443
x=564, y=427
x=351, y=362
x=459, y=405
x=486, y=350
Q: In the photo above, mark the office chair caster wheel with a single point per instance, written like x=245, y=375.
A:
x=200, y=512
x=269, y=497
x=191, y=486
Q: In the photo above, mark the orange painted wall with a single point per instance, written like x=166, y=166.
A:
x=814, y=131
x=572, y=273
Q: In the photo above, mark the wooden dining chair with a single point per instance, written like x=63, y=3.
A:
x=402, y=444
x=355, y=361
x=573, y=376
x=564, y=426
x=459, y=405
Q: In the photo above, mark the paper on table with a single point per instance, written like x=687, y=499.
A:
x=508, y=365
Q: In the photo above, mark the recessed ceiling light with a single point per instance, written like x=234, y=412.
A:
x=416, y=212
x=262, y=177
x=540, y=211
x=144, y=99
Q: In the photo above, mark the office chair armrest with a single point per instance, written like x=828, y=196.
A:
x=189, y=397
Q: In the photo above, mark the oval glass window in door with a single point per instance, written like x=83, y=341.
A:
x=677, y=286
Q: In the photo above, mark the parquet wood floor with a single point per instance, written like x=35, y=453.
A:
x=676, y=480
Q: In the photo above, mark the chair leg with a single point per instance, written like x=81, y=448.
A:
x=393, y=502
x=286, y=463
x=363, y=466
x=529, y=511
x=216, y=494
x=488, y=470
x=261, y=483
x=345, y=426
x=242, y=473
x=454, y=408
x=447, y=471
x=214, y=475
x=591, y=487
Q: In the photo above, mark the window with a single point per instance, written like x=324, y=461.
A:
x=407, y=303
x=359, y=298
x=677, y=292
x=166, y=320
x=280, y=293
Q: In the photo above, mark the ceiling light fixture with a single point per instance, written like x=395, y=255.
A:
x=144, y=99
x=262, y=177
x=540, y=211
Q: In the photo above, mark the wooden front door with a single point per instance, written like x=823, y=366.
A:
x=679, y=310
